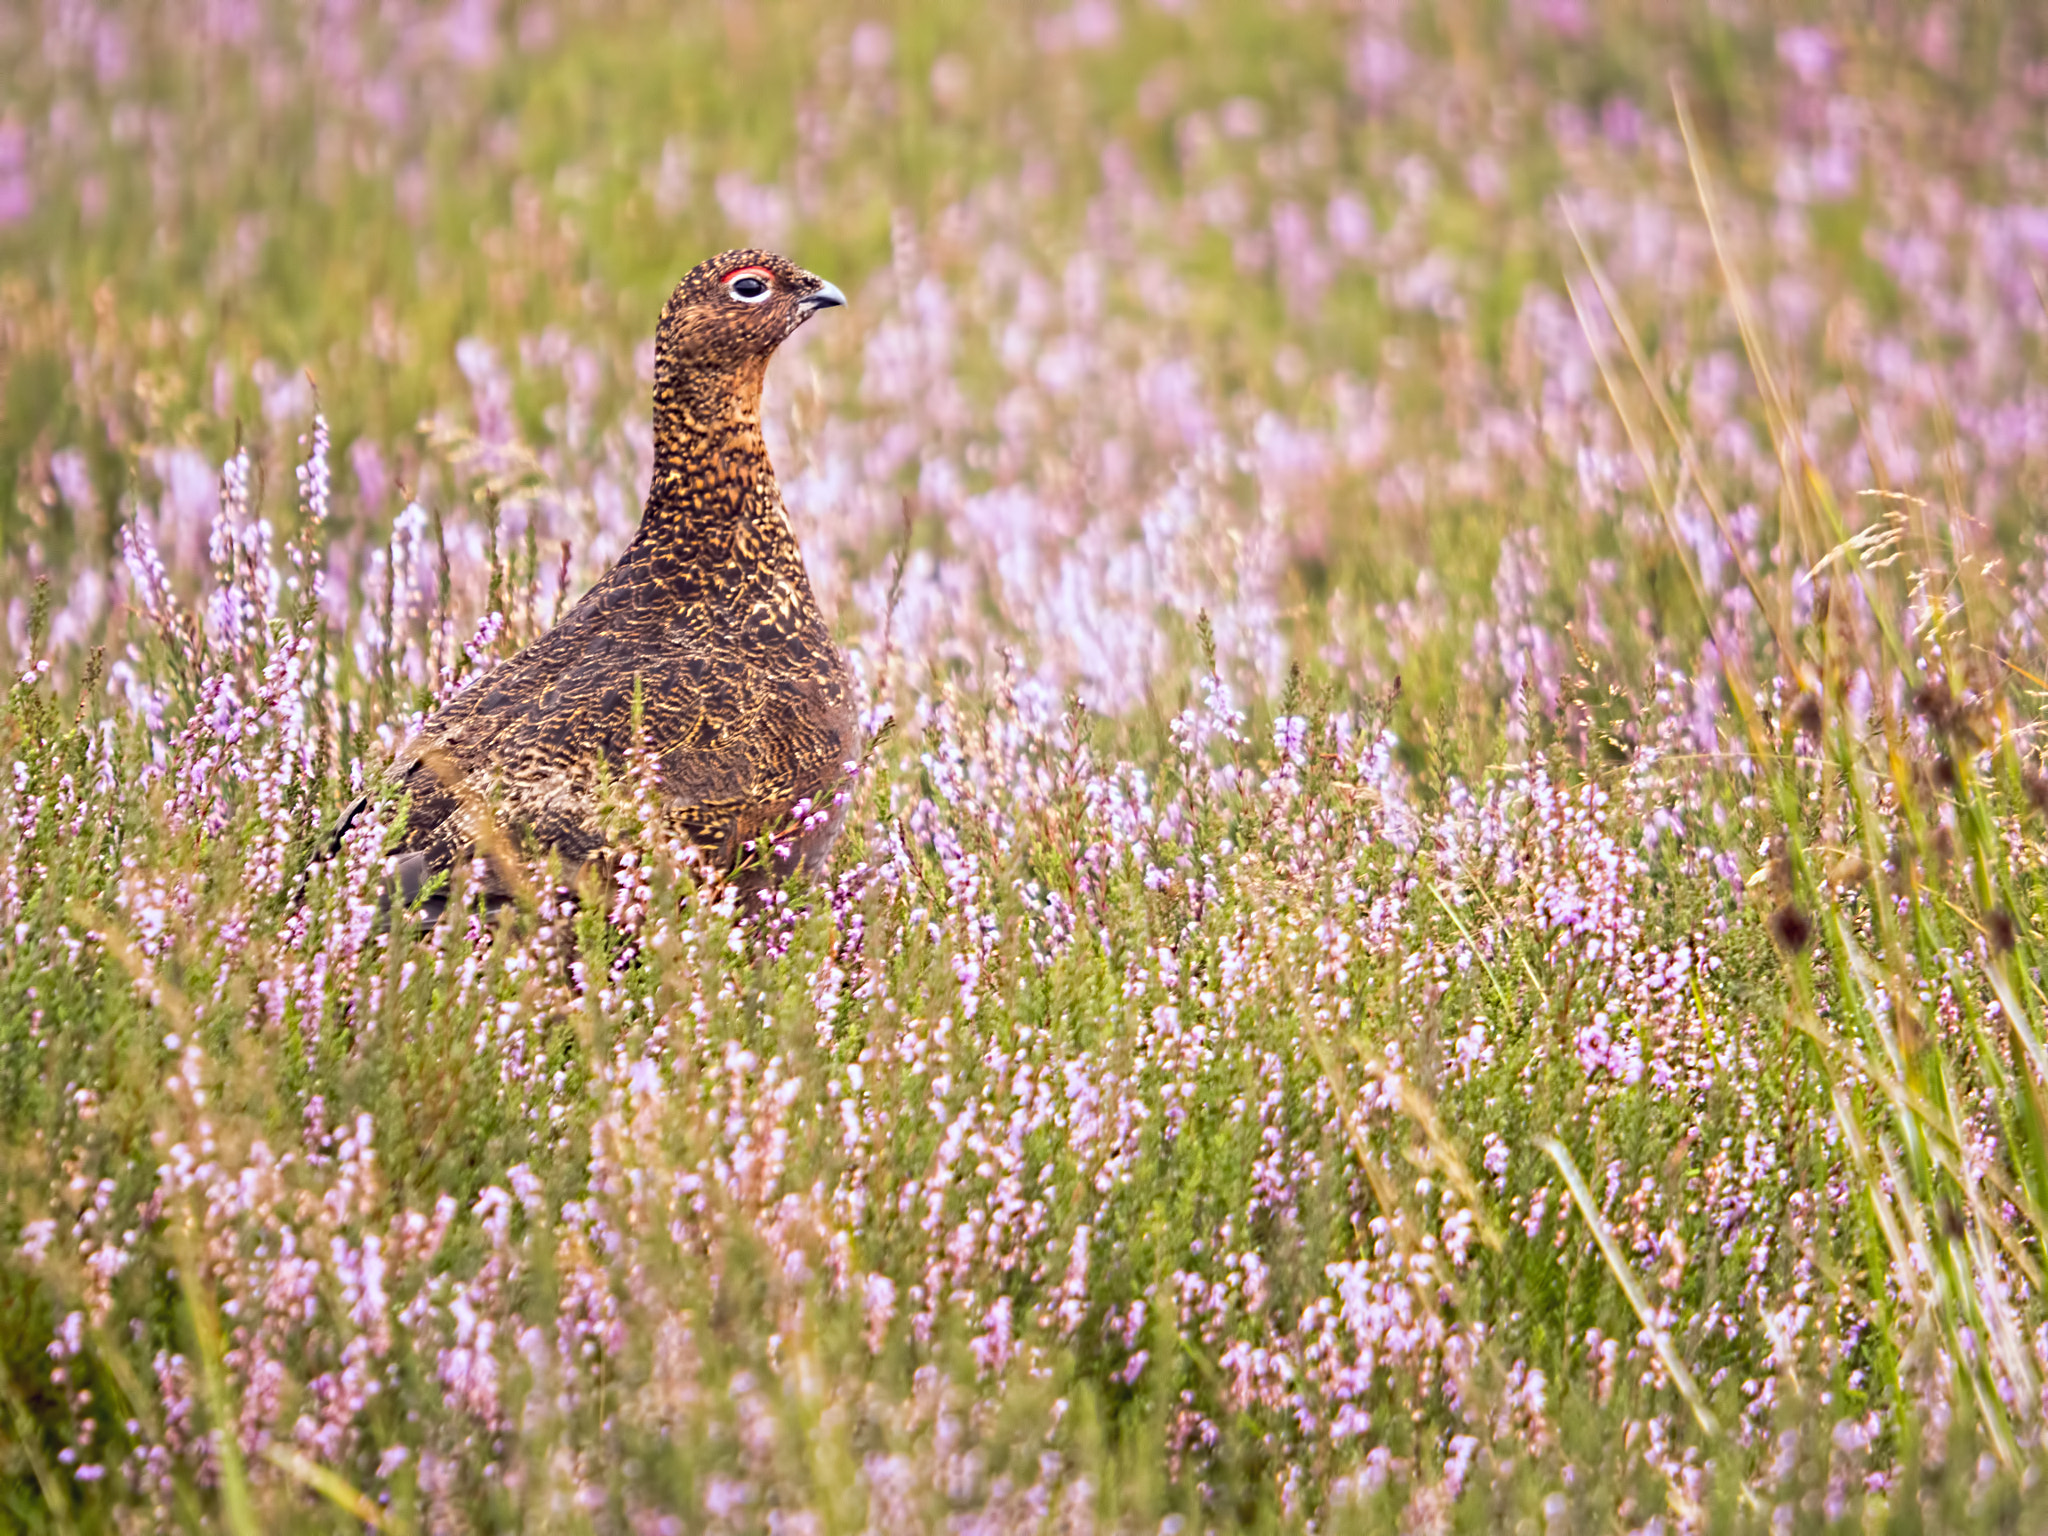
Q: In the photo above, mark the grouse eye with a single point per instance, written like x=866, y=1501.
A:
x=750, y=285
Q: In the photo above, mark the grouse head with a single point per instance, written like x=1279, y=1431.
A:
x=711, y=351
x=732, y=311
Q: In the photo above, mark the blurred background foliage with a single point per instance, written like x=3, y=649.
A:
x=202, y=202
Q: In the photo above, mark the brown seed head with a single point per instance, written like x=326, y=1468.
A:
x=2000, y=929
x=1942, y=843
x=1791, y=927
x=1952, y=1218
x=1805, y=715
x=1849, y=870
x=1933, y=703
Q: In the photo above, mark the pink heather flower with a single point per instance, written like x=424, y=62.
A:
x=1073, y=1293
x=1290, y=739
x=1378, y=65
x=1351, y=1420
x=470, y=33
x=494, y=1208
x=1496, y=1155
x=316, y=483
x=1808, y=53
x=760, y=213
x=70, y=1337
x=993, y=1346
x=871, y=47
x=36, y=1238
x=17, y=190
x=725, y=1497
x=878, y=1297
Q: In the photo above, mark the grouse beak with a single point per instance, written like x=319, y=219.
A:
x=826, y=296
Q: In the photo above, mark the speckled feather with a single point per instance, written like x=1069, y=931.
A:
x=745, y=700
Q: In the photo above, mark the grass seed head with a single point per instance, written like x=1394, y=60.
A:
x=1791, y=927
x=2000, y=929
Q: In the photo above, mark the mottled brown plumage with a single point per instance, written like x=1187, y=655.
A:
x=745, y=701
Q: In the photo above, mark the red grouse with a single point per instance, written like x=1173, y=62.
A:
x=746, y=705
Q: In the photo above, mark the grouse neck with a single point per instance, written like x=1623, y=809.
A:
x=713, y=500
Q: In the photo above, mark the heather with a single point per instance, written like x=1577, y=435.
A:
x=1441, y=926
